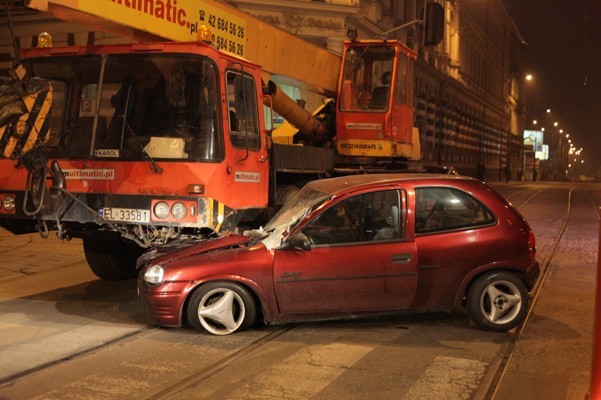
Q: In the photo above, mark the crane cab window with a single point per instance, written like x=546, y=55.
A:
x=242, y=111
x=404, y=85
x=367, y=78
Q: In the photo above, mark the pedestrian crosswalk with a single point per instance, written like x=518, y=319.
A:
x=303, y=374
x=340, y=369
x=448, y=378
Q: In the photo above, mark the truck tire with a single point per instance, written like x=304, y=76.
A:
x=110, y=258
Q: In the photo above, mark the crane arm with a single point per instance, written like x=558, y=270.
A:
x=277, y=51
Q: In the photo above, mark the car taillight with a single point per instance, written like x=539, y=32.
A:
x=531, y=244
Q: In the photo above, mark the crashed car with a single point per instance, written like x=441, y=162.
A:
x=352, y=246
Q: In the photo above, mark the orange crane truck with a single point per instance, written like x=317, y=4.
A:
x=133, y=145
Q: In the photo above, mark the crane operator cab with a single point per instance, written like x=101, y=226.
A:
x=375, y=103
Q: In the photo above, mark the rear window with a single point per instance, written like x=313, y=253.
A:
x=439, y=209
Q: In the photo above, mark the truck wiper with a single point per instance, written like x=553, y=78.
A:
x=154, y=167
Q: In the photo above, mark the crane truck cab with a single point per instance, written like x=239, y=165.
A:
x=375, y=101
x=155, y=141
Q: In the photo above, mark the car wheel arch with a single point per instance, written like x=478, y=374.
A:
x=258, y=295
x=470, y=278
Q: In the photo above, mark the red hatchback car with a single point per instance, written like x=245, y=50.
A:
x=355, y=245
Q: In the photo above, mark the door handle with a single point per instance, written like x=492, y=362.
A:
x=401, y=259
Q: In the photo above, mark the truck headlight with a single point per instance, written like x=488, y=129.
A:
x=8, y=203
x=178, y=210
x=161, y=210
x=154, y=275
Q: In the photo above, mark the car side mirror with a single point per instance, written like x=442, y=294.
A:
x=300, y=241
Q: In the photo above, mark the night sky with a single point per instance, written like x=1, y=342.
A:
x=564, y=55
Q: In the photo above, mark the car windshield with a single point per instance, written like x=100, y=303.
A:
x=284, y=221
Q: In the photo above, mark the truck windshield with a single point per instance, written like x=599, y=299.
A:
x=366, y=78
x=132, y=106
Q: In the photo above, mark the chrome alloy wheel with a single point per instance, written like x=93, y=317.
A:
x=221, y=311
x=501, y=302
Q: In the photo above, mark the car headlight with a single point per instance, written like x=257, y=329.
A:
x=178, y=210
x=154, y=275
x=161, y=210
x=8, y=203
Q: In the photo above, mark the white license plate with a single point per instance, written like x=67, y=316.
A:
x=126, y=214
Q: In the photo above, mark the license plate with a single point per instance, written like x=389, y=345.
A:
x=126, y=214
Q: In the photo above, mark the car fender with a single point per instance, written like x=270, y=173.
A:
x=476, y=272
x=265, y=297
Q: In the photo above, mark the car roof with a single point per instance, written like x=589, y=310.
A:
x=355, y=182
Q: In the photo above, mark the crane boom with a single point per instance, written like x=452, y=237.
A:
x=276, y=50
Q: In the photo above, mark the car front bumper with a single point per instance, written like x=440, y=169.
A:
x=165, y=302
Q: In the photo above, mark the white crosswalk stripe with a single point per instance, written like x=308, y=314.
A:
x=448, y=378
x=303, y=374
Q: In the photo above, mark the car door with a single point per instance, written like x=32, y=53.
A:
x=359, y=259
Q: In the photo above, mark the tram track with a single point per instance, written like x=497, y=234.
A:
x=524, y=202
x=214, y=368
x=494, y=379
x=163, y=392
x=13, y=378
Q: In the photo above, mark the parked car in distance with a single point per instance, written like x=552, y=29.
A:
x=355, y=245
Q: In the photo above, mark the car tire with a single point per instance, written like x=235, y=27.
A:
x=497, y=301
x=221, y=308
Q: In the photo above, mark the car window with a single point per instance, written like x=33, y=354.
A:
x=369, y=217
x=441, y=209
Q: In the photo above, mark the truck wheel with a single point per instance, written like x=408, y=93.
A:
x=110, y=257
x=497, y=301
x=221, y=308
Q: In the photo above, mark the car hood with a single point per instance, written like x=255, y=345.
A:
x=183, y=249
